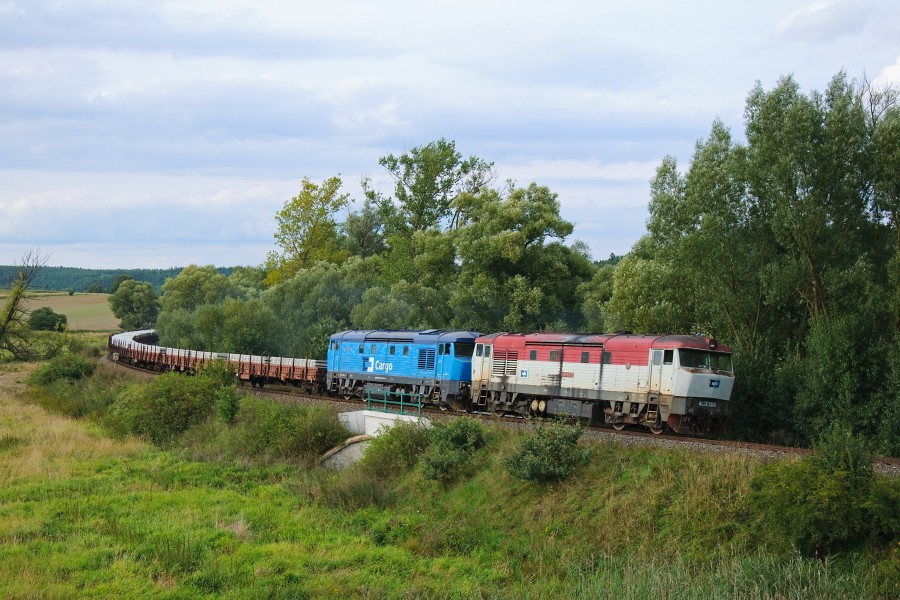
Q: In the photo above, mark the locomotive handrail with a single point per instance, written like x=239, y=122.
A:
x=401, y=403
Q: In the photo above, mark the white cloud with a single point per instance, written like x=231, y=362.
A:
x=823, y=21
x=890, y=75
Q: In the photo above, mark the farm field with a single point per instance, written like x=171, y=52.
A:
x=83, y=514
x=85, y=312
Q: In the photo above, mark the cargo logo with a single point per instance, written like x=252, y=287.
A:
x=377, y=365
x=713, y=383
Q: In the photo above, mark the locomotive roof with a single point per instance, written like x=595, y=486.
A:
x=427, y=336
x=611, y=341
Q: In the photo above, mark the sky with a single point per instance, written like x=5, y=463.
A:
x=164, y=133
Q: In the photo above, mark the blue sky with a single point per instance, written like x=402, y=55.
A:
x=160, y=134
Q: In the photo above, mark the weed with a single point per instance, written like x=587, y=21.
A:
x=9, y=442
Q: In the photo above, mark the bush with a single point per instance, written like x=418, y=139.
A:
x=827, y=502
x=88, y=397
x=451, y=449
x=273, y=430
x=396, y=450
x=549, y=454
x=45, y=319
x=66, y=366
x=164, y=407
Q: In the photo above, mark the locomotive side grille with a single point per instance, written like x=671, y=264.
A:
x=512, y=363
x=505, y=363
x=426, y=359
x=499, y=368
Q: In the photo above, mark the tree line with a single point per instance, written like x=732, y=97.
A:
x=96, y=281
x=783, y=244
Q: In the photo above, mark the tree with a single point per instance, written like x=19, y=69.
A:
x=195, y=286
x=510, y=276
x=45, y=319
x=14, y=332
x=364, y=231
x=307, y=232
x=118, y=281
x=427, y=180
x=135, y=303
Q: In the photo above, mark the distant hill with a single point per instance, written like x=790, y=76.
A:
x=79, y=280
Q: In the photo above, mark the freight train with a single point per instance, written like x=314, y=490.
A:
x=659, y=382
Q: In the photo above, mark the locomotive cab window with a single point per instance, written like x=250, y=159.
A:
x=391, y=350
x=478, y=349
x=554, y=355
x=373, y=348
x=440, y=349
x=405, y=350
x=362, y=348
x=667, y=357
x=721, y=362
x=585, y=357
x=464, y=350
x=532, y=355
x=607, y=358
x=487, y=351
x=697, y=359
x=657, y=357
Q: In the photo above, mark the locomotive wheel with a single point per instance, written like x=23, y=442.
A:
x=656, y=430
x=619, y=426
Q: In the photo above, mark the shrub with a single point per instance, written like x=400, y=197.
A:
x=549, y=454
x=228, y=403
x=46, y=319
x=396, y=450
x=87, y=397
x=451, y=449
x=284, y=431
x=164, y=407
x=827, y=502
x=66, y=366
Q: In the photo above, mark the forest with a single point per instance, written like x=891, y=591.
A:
x=90, y=280
x=782, y=242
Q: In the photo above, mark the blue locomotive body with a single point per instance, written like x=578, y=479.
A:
x=435, y=364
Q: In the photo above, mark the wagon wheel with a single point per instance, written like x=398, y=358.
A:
x=619, y=426
x=656, y=429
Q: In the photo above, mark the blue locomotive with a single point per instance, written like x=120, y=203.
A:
x=434, y=364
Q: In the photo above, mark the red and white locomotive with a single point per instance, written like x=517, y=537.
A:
x=683, y=382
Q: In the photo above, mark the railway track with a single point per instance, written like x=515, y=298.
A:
x=885, y=465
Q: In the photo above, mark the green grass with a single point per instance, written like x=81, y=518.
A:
x=82, y=515
x=85, y=312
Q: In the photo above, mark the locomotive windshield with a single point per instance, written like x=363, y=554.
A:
x=700, y=359
x=464, y=349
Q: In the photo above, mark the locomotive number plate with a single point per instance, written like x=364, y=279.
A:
x=707, y=404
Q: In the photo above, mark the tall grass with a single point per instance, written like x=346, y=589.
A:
x=84, y=516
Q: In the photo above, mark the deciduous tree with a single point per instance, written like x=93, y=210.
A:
x=307, y=230
x=135, y=303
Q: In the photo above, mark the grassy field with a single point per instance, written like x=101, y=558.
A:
x=82, y=515
x=85, y=312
